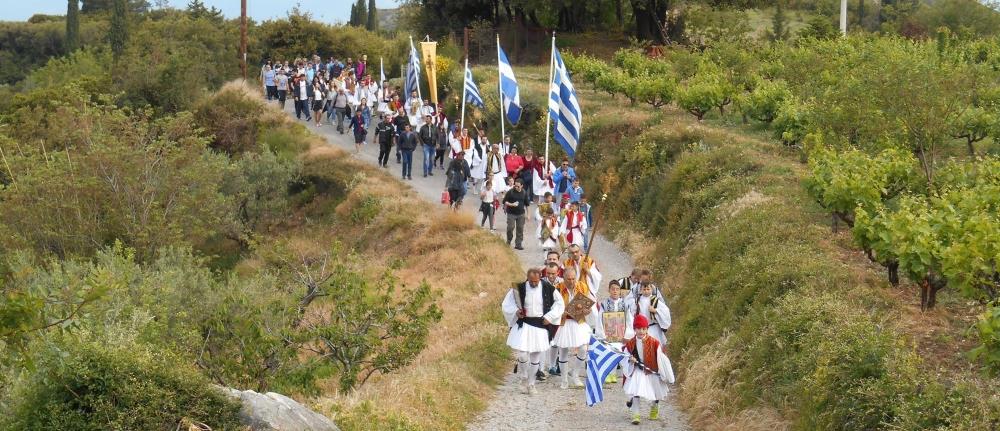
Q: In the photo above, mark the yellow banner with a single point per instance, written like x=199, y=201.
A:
x=429, y=50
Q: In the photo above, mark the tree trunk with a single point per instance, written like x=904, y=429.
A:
x=971, y=145
x=929, y=288
x=893, y=267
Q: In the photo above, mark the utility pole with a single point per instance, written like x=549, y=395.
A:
x=243, y=37
x=843, y=17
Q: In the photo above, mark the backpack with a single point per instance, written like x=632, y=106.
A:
x=454, y=181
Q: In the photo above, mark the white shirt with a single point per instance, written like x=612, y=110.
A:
x=533, y=301
x=302, y=91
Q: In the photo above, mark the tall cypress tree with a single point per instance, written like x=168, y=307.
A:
x=118, y=32
x=72, y=25
x=372, y=16
x=362, y=13
x=779, y=24
x=354, y=15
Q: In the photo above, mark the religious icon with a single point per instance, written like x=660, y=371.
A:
x=614, y=326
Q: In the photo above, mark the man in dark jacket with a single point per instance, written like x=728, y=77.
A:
x=400, y=121
x=516, y=201
x=428, y=139
x=457, y=176
x=407, y=144
x=384, y=133
x=303, y=93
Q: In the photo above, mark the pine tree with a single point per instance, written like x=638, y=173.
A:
x=372, y=16
x=362, y=13
x=779, y=24
x=118, y=32
x=72, y=25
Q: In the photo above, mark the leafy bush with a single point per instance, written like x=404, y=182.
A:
x=988, y=330
x=117, y=384
x=762, y=104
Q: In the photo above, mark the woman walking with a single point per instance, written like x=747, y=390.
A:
x=319, y=91
x=360, y=130
x=488, y=207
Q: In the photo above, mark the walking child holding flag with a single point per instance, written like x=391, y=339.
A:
x=647, y=371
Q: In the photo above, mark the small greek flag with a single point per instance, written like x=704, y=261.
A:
x=564, y=107
x=471, y=91
x=603, y=361
x=508, y=87
x=412, y=73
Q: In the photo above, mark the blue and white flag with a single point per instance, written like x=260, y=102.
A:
x=511, y=96
x=412, y=73
x=564, y=108
x=471, y=90
x=603, y=361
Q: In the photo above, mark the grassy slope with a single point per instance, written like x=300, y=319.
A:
x=375, y=216
x=779, y=322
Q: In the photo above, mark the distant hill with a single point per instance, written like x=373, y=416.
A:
x=388, y=19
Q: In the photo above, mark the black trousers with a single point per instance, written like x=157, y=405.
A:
x=383, y=153
x=439, y=156
x=302, y=107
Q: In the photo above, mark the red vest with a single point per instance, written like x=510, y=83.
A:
x=649, y=348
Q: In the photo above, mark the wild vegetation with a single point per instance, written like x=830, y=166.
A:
x=157, y=227
x=778, y=325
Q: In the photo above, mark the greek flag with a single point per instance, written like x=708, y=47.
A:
x=564, y=108
x=508, y=87
x=412, y=73
x=471, y=91
x=603, y=361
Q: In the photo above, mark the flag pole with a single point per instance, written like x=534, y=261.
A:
x=462, y=124
x=500, y=93
x=548, y=112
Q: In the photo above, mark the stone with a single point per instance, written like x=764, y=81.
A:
x=276, y=412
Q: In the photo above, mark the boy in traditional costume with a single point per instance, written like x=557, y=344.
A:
x=647, y=371
x=574, y=225
x=532, y=309
x=653, y=309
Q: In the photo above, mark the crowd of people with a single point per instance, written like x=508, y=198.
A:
x=555, y=312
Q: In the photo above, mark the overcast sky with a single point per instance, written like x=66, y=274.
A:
x=323, y=10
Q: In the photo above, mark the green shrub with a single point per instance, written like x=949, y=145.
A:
x=116, y=384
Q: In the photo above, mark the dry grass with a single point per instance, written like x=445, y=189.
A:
x=465, y=355
x=708, y=400
x=445, y=386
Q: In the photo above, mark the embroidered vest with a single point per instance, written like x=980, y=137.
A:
x=649, y=347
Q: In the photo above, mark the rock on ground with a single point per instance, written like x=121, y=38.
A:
x=276, y=412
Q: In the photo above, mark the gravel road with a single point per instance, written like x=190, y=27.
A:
x=552, y=408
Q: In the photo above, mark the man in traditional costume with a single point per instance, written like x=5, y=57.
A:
x=480, y=145
x=585, y=266
x=531, y=309
x=495, y=168
x=647, y=371
x=414, y=109
x=573, y=336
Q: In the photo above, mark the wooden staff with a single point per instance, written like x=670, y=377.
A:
x=9, y=172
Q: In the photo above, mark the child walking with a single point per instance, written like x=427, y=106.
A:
x=647, y=372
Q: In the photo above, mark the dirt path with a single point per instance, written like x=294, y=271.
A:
x=552, y=408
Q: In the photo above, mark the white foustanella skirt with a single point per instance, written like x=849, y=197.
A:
x=646, y=386
x=528, y=338
x=572, y=334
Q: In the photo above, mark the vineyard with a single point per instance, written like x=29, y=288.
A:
x=901, y=139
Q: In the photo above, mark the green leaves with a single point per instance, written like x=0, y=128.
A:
x=988, y=330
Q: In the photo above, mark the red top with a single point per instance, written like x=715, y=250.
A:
x=514, y=163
